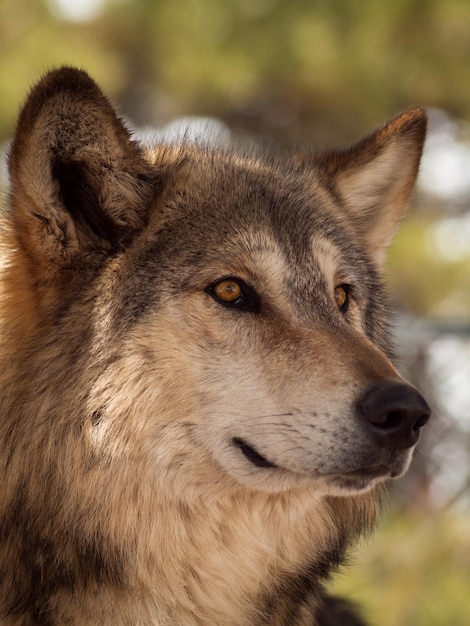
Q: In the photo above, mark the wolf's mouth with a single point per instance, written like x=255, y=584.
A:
x=359, y=479
x=251, y=454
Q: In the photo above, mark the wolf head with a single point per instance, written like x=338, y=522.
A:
x=193, y=312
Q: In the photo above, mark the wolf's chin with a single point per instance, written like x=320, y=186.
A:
x=357, y=482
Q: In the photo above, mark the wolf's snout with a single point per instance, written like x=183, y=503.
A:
x=395, y=412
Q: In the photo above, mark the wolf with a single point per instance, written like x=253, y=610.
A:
x=199, y=409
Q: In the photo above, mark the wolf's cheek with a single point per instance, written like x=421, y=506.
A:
x=345, y=428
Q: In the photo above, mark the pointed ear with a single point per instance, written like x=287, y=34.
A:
x=79, y=184
x=375, y=178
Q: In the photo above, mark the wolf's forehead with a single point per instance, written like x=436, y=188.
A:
x=234, y=199
x=253, y=222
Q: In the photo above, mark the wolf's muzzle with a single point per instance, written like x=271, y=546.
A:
x=394, y=412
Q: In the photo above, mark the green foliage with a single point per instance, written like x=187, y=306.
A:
x=414, y=572
x=337, y=66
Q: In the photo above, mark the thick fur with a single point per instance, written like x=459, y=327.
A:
x=167, y=459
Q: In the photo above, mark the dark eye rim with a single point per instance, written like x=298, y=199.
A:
x=249, y=301
x=347, y=288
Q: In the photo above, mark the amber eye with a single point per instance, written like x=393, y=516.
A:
x=235, y=293
x=228, y=290
x=341, y=294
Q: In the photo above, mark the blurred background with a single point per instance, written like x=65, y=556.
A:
x=324, y=73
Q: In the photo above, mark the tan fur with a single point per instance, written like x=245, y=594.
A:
x=125, y=385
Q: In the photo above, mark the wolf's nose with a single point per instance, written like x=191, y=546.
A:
x=395, y=412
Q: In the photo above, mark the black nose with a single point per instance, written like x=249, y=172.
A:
x=395, y=412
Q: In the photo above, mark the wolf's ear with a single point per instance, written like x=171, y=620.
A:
x=79, y=184
x=374, y=178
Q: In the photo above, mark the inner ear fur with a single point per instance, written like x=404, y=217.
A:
x=79, y=184
x=374, y=178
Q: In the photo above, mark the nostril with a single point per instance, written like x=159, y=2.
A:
x=392, y=420
x=423, y=420
x=395, y=412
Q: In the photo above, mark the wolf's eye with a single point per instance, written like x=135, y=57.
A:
x=229, y=291
x=235, y=293
x=341, y=294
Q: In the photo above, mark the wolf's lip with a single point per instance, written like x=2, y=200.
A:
x=251, y=453
x=368, y=472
